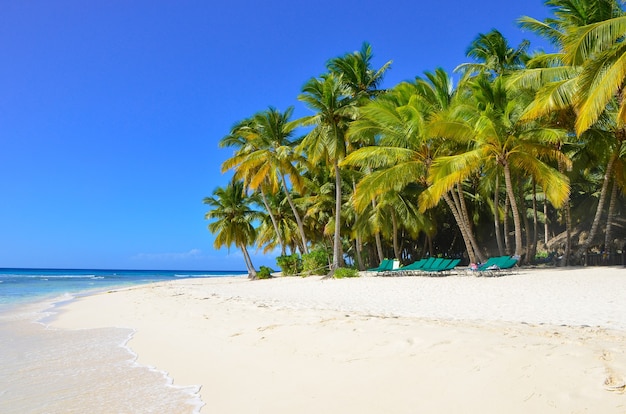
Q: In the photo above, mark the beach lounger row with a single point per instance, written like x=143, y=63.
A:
x=430, y=266
x=494, y=266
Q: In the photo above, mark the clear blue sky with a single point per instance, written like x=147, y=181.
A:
x=111, y=111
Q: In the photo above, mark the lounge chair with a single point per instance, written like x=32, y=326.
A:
x=444, y=266
x=413, y=267
x=386, y=264
x=453, y=263
x=495, y=264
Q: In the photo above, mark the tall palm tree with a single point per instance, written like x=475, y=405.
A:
x=357, y=73
x=329, y=97
x=233, y=217
x=493, y=55
x=265, y=158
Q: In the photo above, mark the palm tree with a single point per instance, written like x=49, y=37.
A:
x=335, y=98
x=233, y=217
x=357, y=73
x=489, y=126
x=326, y=142
x=493, y=55
x=279, y=228
x=265, y=158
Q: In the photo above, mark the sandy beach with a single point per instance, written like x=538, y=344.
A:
x=541, y=341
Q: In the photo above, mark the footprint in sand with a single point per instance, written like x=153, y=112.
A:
x=614, y=383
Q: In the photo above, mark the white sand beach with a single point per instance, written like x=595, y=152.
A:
x=540, y=341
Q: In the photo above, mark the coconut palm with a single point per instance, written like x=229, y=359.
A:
x=493, y=55
x=265, y=158
x=230, y=208
x=357, y=73
x=335, y=107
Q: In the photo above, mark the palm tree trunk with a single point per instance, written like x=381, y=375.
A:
x=359, y=255
x=496, y=215
x=379, y=248
x=546, y=229
x=305, y=248
x=379, y=243
x=459, y=198
x=568, y=233
x=394, y=225
x=505, y=223
x=608, y=237
x=568, y=222
x=596, y=220
x=525, y=222
x=516, y=219
x=533, y=250
x=358, y=242
x=337, y=259
x=468, y=245
x=248, y=260
x=274, y=223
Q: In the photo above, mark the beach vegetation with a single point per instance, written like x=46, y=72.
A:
x=264, y=272
x=344, y=272
x=315, y=262
x=290, y=265
x=515, y=152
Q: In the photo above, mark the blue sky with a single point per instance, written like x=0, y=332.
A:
x=111, y=111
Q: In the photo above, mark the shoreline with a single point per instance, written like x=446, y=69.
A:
x=46, y=369
x=545, y=340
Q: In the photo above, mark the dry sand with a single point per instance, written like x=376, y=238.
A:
x=541, y=341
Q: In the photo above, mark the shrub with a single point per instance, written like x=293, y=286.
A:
x=264, y=273
x=342, y=272
x=315, y=262
x=289, y=265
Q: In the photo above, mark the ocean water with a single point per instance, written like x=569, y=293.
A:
x=45, y=370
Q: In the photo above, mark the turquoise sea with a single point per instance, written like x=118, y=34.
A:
x=46, y=370
x=27, y=285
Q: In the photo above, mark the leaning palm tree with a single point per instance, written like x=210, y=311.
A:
x=233, y=217
x=265, y=158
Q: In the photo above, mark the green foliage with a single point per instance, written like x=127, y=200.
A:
x=342, y=272
x=290, y=265
x=315, y=262
x=265, y=273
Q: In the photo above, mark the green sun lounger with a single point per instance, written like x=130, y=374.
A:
x=493, y=265
x=435, y=265
x=413, y=267
x=386, y=264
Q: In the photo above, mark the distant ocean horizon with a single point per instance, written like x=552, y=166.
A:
x=23, y=285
